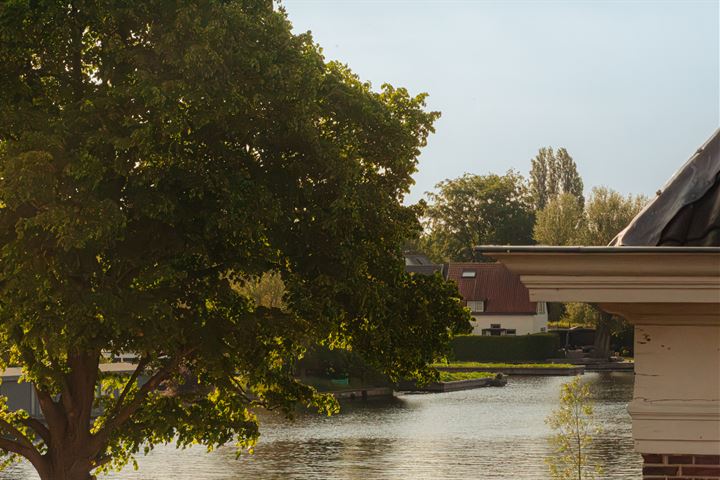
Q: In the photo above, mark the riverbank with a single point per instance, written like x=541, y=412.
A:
x=548, y=369
x=454, y=381
x=600, y=365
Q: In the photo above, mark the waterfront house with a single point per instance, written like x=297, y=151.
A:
x=500, y=304
x=662, y=273
x=419, y=263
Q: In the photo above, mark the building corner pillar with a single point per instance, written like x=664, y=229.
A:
x=675, y=409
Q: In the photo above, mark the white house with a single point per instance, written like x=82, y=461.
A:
x=500, y=304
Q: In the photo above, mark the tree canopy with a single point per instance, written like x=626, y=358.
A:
x=476, y=210
x=561, y=222
x=608, y=213
x=152, y=156
x=564, y=221
x=551, y=174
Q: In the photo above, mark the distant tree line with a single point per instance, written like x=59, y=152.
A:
x=546, y=208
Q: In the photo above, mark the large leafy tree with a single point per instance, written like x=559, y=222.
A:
x=551, y=174
x=607, y=213
x=153, y=156
x=476, y=210
x=561, y=222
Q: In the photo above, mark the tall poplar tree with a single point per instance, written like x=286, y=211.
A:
x=551, y=174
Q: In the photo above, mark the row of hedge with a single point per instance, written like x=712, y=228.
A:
x=508, y=348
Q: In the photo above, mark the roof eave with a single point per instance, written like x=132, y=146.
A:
x=615, y=274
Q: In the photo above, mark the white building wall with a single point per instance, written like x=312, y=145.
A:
x=523, y=324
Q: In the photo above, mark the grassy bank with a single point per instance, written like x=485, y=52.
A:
x=455, y=376
x=501, y=365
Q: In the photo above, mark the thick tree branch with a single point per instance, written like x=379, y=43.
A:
x=15, y=447
x=54, y=415
x=30, y=453
x=12, y=430
x=38, y=427
x=21, y=446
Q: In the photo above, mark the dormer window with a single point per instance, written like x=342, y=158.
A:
x=476, y=306
x=468, y=274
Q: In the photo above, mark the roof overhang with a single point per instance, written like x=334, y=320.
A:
x=614, y=275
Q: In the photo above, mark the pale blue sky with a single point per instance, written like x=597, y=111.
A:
x=631, y=89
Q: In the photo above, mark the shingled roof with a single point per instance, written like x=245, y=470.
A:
x=686, y=211
x=493, y=284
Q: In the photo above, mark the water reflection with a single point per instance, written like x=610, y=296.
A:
x=496, y=433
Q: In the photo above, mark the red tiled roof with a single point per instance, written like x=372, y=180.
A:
x=494, y=284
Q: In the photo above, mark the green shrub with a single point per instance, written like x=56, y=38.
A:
x=510, y=348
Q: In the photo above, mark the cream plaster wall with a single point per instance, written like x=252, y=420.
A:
x=523, y=324
x=676, y=405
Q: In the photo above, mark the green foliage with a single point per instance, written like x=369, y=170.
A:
x=476, y=210
x=580, y=314
x=561, y=222
x=156, y=155
x=565, y=221
x=574, y=427
x=607, y=213
x=553, y=173
x=508, y=348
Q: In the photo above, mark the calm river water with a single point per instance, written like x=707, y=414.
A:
x=489, y=433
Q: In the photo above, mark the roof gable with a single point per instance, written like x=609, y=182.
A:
x=493, y=283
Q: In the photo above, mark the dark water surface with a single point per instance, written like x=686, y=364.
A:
x=489, y=433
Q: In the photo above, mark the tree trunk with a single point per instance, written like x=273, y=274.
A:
x=70, y=449
x=602, y=337
x=63, y=475
x=65, y=471
x=66, y=459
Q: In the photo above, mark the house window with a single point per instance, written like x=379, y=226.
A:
x=510, y=331
x=541, y=308
x=476, y=306
x=495, y=325
x=468, y=274
x=542, y=329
